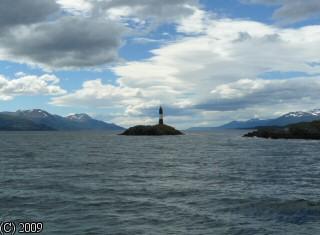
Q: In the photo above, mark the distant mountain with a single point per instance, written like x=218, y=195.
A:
x=56, y=122
x=287, y=119
x=296, y=117
x=234, y=125
x=86, y=122
x=200, y=128
x=245, y=124
x=12, y=123
x=81, y=117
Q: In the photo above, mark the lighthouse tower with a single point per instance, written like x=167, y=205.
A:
x=160, y=116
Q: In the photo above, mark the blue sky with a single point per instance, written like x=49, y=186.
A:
x=207, y=62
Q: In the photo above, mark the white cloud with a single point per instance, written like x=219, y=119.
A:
x=69, y=34
x=95, y=93
x=246, y=93
x=216, y=66
x=46, y=84
x=20, y=74
x=195, y=23
x=75, y=6
x=165, y=10
x=223, y=63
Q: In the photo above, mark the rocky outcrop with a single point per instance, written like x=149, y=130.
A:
x=152, y=130
x=305, y=130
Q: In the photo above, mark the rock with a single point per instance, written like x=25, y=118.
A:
x=152, y=130
x=305, y=130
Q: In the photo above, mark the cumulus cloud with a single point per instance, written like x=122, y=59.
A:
x=40, y=32
x=216, y=66
x=22, y=12
x=165, y=10
x=46, y=84
x=246, y=93
x=291, y=11
x=70, y=42
x=94, y=92
x=219, y=70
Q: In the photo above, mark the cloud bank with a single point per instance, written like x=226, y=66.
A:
x=71, y=34
x=46, y=84
x=71, y=42
x=212, y=72
x=218, y=70
x=25, y=12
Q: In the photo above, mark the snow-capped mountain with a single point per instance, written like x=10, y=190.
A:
x=88, y=122
x=295, y=114
x=315, y=112
x=286, y=119
x=35, y=113
x=81, y=117
x=56, y=122
x=295, y=117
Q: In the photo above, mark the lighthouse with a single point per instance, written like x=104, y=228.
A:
x=160, y=116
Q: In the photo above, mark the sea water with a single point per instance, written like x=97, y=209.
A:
x=199, y=183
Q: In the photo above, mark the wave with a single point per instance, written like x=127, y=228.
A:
x=296, y=211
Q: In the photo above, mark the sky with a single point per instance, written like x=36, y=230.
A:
x=206, y=62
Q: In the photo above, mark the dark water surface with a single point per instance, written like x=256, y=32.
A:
x=200, y=183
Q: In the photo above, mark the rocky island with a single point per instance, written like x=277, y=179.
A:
x=305, y=130
x=152, y=130
x=159, y=129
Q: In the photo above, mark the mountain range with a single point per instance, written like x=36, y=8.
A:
x=286, y=119
x=37, y=119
